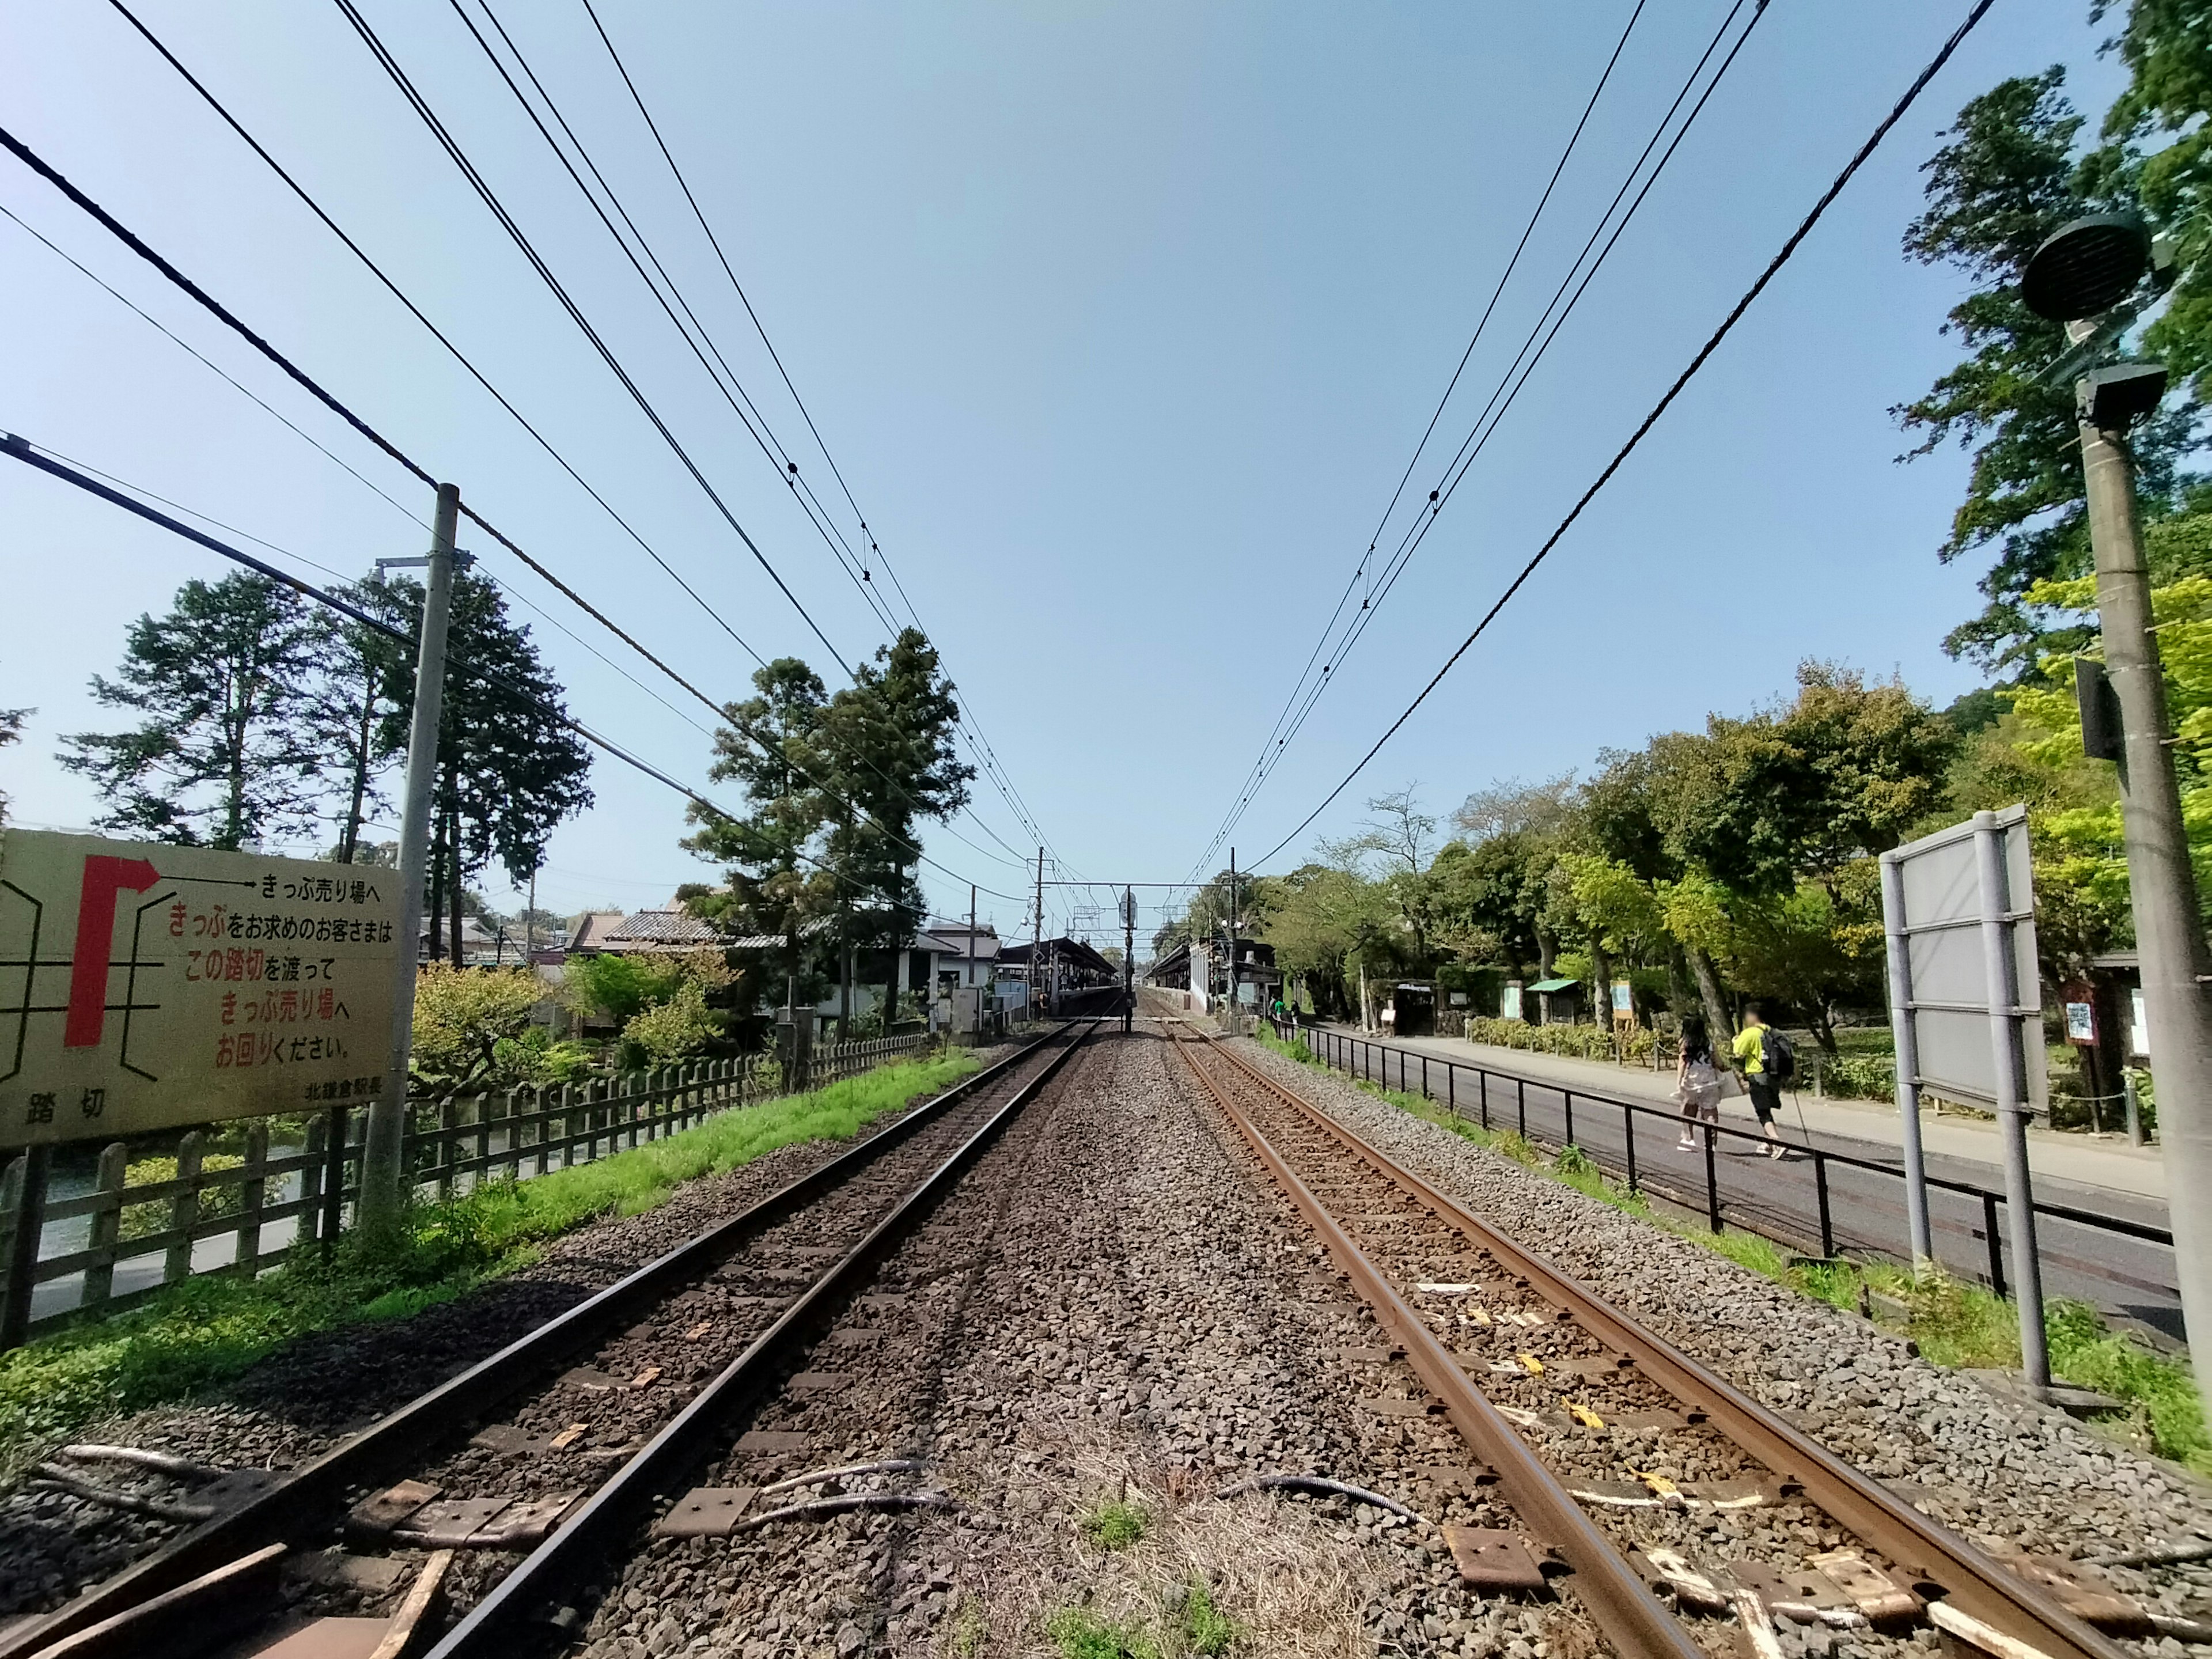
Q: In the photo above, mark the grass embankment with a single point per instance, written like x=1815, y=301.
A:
x=192, y=1336
x=1954, y=1324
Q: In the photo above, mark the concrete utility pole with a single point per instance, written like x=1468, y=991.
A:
x=1128, y=957
x=1036, y=943
x=970, y=972
x=381, y=1177
x=1232, y=942
x=2162, y=885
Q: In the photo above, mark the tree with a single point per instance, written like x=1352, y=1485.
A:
x=227, y=751
x=777, y=882
x=1321, y=921
x=1808, y=786
x=887, y=741
x=2007, y=176
x=11, y=731
x=463, y=1015
x=510, y=768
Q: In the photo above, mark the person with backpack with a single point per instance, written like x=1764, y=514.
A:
x=1697, y=1084
x=1768, y=1063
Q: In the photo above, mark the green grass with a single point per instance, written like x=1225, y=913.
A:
x=1205, y=1628
x=192, y=1336
x=1079, y=1633
x=1115, y=1526
x=1954, y=1324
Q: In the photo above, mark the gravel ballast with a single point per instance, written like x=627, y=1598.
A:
x=2003, y=1472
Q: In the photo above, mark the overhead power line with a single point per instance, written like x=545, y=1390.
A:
x=986, y=759
x=138, y=245
x=468, y=365
x=20, y=449
x=1782, y=258
x=1308, y=689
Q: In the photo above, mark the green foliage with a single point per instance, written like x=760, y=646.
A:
x=1859, y=1076
x=1079, y=1633
x=668, y=1032
x=1206, y=1629
x=466, y=1019
x=1573, y=1161
x=1573, y=1042
x=1115, y=1526
x=617, y=988
x=195, y=1335
x=144, y=1220
x=227, y=750
x=534, y=1060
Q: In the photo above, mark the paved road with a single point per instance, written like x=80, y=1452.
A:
x=2130, y=1278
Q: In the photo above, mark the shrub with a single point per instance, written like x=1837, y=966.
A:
x=1574, y=1041
x=144, y=1220
x=670, y=1030
x=462, y=1015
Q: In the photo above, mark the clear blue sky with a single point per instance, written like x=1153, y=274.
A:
x=1121, y=321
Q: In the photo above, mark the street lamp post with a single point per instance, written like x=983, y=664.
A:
x=2088, y=270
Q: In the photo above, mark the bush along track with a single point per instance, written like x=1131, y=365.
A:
x=191, y=1337
x=1953, y=1324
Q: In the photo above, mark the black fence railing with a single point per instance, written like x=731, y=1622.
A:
x=1498, y=1099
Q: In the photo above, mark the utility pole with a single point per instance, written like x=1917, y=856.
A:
x=1036, y=943
x=1128, y=957
x=381, y=1177
x=530, y=923
x=971, y=960
x=2162, y=885
x=2089, y=275
x=1232, y=941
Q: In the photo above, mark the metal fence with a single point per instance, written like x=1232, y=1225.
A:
x=1500, y=1100
x=242, y=1214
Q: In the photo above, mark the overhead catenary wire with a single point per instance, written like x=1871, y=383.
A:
x=1510, y=386
x=138, y=245
x=20, y=449
x=986, y=757
x=1308, y=692
x=384, y=278
x=1482, y=323
x=1782, y=258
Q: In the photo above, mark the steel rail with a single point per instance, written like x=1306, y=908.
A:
x=1942, y=1563
x=399, y=1439
x=547, y=1579
x=1633, y=1620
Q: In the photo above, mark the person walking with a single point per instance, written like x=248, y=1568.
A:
x=1697, y=1084
x=1751, y=1050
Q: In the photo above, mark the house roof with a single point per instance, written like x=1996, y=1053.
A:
x=663, y=930
x=592, y=927
x=951, y=939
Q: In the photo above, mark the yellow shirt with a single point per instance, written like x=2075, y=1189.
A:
x=1747, y=1048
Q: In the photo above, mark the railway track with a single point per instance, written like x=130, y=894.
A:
x=1621, y=1456
x=495, y=1495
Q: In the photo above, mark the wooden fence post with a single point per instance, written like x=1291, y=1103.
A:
x=23, y=1196
x=253, y=1196
x=514, y=1134
x=106, y=1223
x=310, y=1185
x=449, y=1142
x=541, y=1110
x=185, y=1208
x=483, y=1141
x=334, y=1162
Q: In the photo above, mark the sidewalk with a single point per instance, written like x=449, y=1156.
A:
x=2081, y=1160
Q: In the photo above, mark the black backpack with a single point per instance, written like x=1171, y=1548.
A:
x=1776, y=1057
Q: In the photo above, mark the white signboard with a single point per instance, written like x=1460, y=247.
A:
x=1940, y=919
x=145, y=985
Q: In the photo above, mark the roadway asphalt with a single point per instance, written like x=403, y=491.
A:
x=2129, y=1278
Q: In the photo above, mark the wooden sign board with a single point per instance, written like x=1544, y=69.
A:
x=146, y=986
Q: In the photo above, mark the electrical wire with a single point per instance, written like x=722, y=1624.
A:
x=16, y=447
x=138, y=246
x=1305, y=696
x=1705, y=354
x=1437, y=415
x=438, y=130
x=987, y=758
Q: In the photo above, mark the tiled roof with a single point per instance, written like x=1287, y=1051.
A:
x=665, y=927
